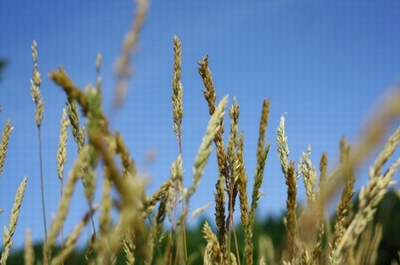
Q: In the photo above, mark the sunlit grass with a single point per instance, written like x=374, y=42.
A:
x=151, y=228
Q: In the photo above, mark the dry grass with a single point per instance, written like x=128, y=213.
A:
x=139, y=229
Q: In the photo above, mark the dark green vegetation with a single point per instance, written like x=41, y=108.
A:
x=3, y=64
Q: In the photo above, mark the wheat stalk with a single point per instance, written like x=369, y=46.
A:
x=370, y=196
x=64, y=205
x=344, y=206
x=36, y=81
x=72, y=238
x=262, y=153
x=204, y=151
x=210, y=96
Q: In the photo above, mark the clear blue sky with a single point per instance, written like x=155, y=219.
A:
x=324, y=63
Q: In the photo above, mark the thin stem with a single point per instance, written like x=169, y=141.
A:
x=42, y=185
x=235, y=240
x=62, y=227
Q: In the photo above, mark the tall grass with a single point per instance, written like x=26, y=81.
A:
x=140, y=231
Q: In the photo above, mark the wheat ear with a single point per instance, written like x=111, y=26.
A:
x=64, y=205
x=70, y=243
x=288, y=170
x=9, y=232
x=29, y=253
x=386, y=112
x=5, y=136
x=123, y=69
x=177, y=93
x=343, y=208
x=370, y=195
x=204, y=151
x=262, y=153
x=210, y=96
x=36, y=81
x=213, y=251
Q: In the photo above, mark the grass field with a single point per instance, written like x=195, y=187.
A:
x=151, y=228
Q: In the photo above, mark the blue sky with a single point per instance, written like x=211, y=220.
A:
x=324, y=63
